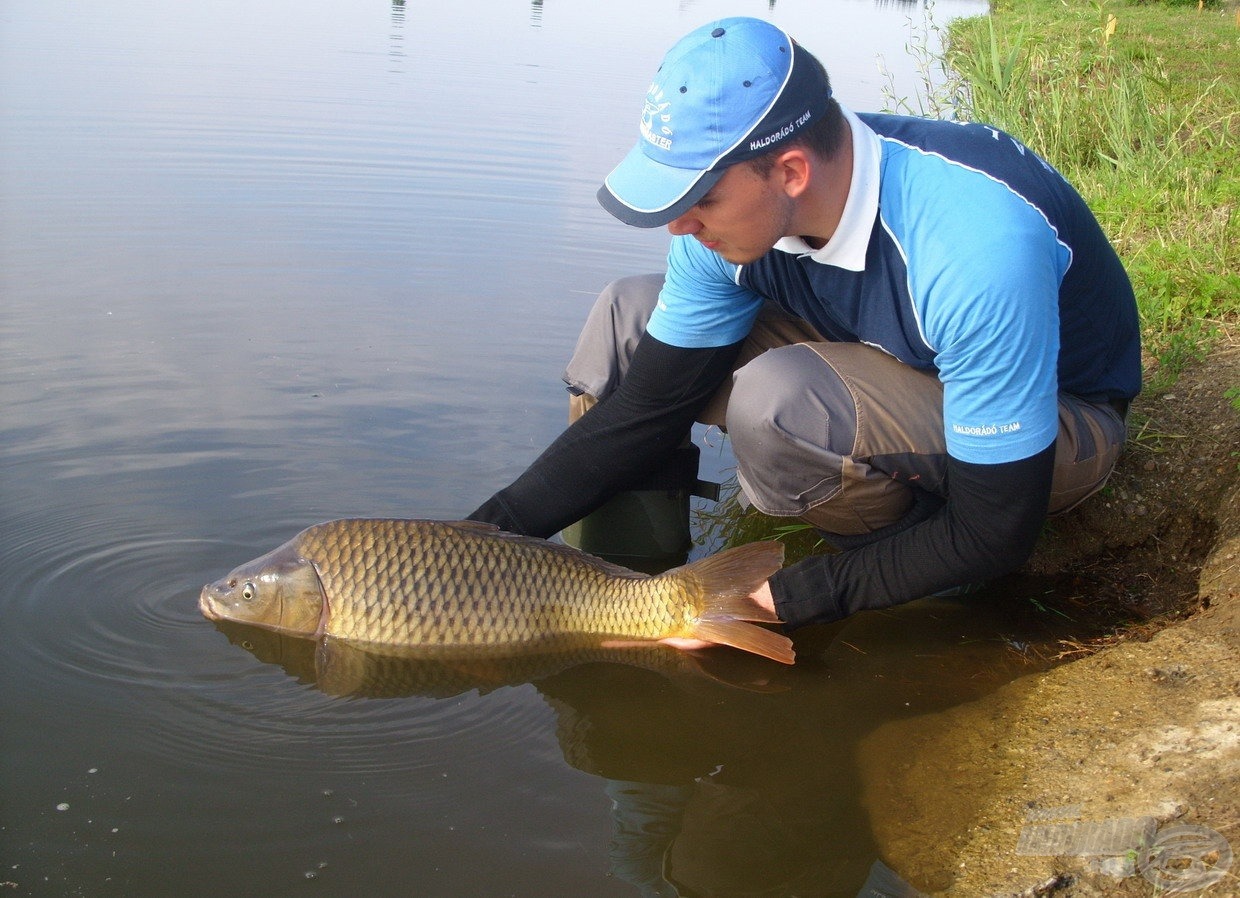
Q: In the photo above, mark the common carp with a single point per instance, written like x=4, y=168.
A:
x=464, y=586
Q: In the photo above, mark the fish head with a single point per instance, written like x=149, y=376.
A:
x=279, y=591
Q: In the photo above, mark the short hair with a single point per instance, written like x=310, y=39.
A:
x=823, y=137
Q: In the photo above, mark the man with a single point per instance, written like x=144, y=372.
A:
x=915, y=332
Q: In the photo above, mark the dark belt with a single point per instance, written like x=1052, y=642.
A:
x=1121, y=406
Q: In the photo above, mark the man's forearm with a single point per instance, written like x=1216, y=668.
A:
x=620, y=441
x=987, y=528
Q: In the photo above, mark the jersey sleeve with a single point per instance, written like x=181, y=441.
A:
x=986, y=287
x=701, y=305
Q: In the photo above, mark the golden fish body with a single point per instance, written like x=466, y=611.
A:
x=464, y=585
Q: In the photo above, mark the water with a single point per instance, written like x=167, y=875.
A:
x=264, y=264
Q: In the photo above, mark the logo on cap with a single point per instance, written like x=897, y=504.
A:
x=656, y=108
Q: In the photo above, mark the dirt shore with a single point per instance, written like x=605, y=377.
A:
x=1057, y=783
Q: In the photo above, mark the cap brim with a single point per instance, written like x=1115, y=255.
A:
x=649, y=194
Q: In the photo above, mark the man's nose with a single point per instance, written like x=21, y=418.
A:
x=687, y=224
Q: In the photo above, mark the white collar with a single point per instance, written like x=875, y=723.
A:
x=847, y=246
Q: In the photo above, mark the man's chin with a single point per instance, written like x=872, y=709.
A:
x=733, y=255
x=737, y=258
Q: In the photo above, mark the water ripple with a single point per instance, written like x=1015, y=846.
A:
x=108, y=617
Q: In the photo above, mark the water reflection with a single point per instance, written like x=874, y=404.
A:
x=726, y=774
x=397, y=36
x=729, y=821
x=683, y=749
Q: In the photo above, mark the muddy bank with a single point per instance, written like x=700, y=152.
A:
x=1020, y=792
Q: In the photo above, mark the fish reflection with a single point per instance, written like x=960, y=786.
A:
x=341, y=668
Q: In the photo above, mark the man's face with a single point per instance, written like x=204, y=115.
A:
x=741, y=218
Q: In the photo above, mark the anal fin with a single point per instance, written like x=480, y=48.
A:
x=747, y=637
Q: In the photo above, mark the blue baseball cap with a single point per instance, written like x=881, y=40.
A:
x=730, y=90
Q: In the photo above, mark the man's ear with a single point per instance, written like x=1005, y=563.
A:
x=793, y=168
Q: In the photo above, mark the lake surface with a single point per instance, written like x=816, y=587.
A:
x=265, y=264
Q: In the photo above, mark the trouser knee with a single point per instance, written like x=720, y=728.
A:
x=611, y=334
x=793, y=424
x=789, y=441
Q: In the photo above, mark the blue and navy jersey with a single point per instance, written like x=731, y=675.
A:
x=960, y=252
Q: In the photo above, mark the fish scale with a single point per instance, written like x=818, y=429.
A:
x=467, y=585
x=524, y=593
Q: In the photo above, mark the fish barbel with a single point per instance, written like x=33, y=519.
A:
x=465, y=585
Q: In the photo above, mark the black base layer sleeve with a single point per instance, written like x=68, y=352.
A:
x=625, y=438
x=987, y=528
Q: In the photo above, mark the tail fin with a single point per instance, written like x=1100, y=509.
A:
x=727, y=579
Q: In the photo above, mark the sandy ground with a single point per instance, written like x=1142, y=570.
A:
x=1117, y=773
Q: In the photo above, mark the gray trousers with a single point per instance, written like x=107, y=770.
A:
x=837, y=434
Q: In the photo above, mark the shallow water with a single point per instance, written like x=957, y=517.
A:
x=268, y=264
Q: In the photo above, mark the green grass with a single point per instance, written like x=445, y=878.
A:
x=729, y=523
x=1138, y=104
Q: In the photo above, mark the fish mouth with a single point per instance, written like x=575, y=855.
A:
x=207, y=605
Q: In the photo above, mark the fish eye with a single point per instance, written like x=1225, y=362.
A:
x=248, y=591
